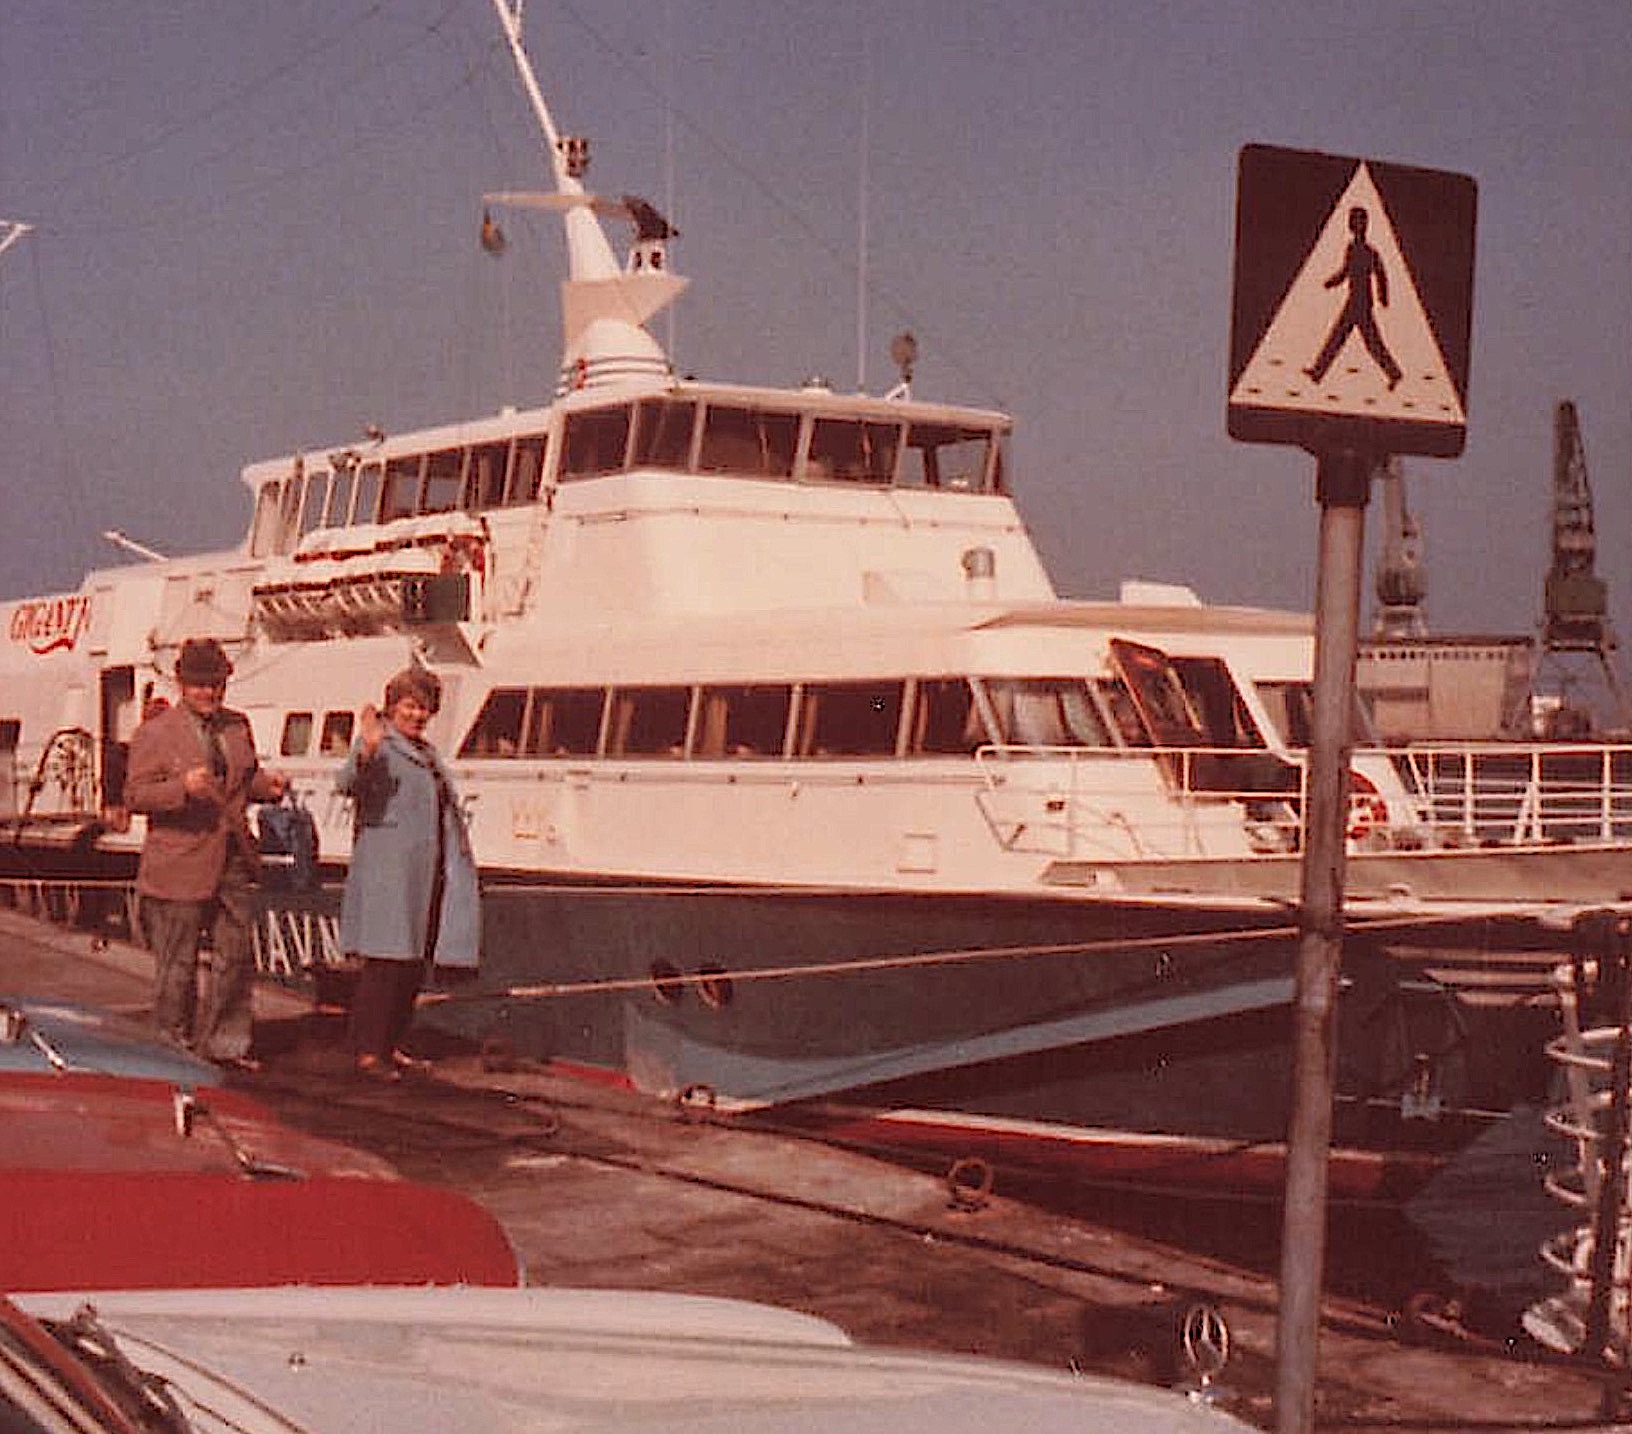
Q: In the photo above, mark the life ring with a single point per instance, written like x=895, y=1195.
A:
x=1367, y=809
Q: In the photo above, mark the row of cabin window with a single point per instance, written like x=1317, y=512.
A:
x=922, y=717
x=681, y=435
x=838, y=719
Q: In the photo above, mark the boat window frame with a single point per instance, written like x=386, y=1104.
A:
x=977, y=712
x=592, y=424
x=288, y=745
x=863, y=424
x=1058, y=688
x=521, y=445
x=926, y=474
x=803, y=745
x=370, y=482
x=314, y=515
x=467, y=749
x=505, y=448
x=542, y=699
x=335, y=734
x=342, y=480
x=759, y=412
x=263, y=523
x=408, y=471
x=628, y=701
x=428, y=474
x=714, y=707
x=640, y=456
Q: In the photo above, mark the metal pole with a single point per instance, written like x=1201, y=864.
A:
x=1342, y=481
x=1615, y=977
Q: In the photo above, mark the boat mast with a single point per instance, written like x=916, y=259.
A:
x=604, y=305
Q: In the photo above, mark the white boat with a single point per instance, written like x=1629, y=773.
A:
x=794, y=783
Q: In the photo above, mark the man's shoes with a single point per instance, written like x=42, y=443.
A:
x=373, y=1067
x=239, y=1065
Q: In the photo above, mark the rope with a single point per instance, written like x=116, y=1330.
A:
x=553, y=990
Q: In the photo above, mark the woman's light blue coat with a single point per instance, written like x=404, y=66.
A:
x=386, y=910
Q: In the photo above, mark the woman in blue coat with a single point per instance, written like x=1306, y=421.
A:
x=411, y=897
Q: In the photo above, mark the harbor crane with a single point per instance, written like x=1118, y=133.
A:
x=1575, y=626
x=1400, y=580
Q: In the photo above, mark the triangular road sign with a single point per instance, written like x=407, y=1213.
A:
x=1336, y=342
x=1402, y=375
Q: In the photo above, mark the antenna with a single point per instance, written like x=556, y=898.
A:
x=11, y=230
x=130, y=545
x=862, y=216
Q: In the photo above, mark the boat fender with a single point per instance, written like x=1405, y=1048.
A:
x=1368, y=811
x=969, y=1183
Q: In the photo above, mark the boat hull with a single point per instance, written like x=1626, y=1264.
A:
x=1101, y=1039
x=1105, y=1042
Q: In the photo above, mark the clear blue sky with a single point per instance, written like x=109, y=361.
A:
x=256, y=231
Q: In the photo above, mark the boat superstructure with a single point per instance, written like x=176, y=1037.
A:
x=794, y=781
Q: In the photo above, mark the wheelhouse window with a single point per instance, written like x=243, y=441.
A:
x=564, y=722
x=1217, y=701
x=945, y=720
x=743, y=721
x=1130, y=726
x=594, y=442
x=849, y=719
x=294, y=494
x=368, y=493
x=848, y=451
x=663, y=429
x=952, y=456
x=497, y=729
x=649, y=722
x=752, y=442
x=263, y=540
x=335, y=739
x=341, y=487
x=1047, y=712
x=401, y=496
x=487, y=465
x=527, y=472
x=297, y=734
x=314, y=508
x=444, y=476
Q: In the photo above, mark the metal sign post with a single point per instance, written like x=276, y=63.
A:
x=1350, y=337
x=1343, y=480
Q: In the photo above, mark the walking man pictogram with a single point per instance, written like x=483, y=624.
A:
x=1362, y=266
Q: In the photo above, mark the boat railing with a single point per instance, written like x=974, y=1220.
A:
x=1594, y=1301
x=1141, y=802
x=1144, y=802
x=1518, y=794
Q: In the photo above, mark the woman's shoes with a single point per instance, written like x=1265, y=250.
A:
x=372, y=1067
x=409, y=1065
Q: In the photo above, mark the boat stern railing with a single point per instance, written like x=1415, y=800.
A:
x=1185, y=802
x=1591, y=1312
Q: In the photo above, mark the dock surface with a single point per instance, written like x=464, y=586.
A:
x=598, y=1187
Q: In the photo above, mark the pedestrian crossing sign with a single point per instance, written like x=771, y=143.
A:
x=1353, y=304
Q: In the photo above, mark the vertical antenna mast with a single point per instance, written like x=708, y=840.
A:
x=861, y=207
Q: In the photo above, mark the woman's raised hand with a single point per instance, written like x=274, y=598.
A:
x=371, y=729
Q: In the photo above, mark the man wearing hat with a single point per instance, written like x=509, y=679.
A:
x=193, y=771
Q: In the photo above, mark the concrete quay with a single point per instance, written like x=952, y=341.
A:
x=597, y=1187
